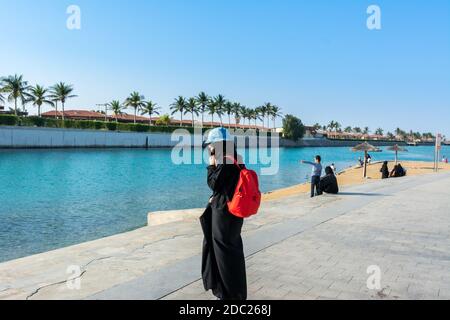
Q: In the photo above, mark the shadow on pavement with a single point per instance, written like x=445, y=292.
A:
x=362, y=194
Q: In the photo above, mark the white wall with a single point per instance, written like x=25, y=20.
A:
x=24, y=137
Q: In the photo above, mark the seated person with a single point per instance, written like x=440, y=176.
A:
x=401, y=172
x=384, y=170
x=329, y=184
x=398, y=172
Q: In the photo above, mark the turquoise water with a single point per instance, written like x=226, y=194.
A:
x=54, y=198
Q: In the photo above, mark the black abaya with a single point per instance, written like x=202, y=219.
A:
x=223, y=263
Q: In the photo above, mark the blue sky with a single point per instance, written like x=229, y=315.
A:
x=315, y=59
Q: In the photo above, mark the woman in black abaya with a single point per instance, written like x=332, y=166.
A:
x=223, y=261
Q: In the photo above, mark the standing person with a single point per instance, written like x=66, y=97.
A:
x=384, y=170
x=361, y=163
x=223, y=260
x=315, y=176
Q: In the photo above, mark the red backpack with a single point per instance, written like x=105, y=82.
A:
x=247, y=197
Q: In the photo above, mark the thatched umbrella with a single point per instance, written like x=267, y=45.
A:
x=397, y=149
x=366, y=147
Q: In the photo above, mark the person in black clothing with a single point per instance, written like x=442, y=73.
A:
x=398, y=171
x=393, y=172
x=384, y=170
x=328, y=183
x=223, y=260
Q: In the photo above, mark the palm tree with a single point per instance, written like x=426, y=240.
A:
x=39, y=96
x=228, y=108
x=357, y=130
x=366, y=130
x=330, y=126
x=275, y=112
x=17, y=89
x=243, y=114
x=334, y=126
x=62, y=92
x=379, y=131
x=192, y=108
x=150, y=108
x=265, y=110
x=261, y=114
x=348, y=129
x=219, y=104
x=390, y=136
x=237, y=108
x=55, y=105
x=135, y=101
x=211, y=108
x=116, y=107
x=246, y=114
x=179, y=106
x=255, y=116
x=202, y=102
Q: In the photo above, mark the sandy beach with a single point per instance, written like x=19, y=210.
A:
x=354, y=176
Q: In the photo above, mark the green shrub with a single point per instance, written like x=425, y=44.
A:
x=111, y=126
x=69, y=124
x=123, y=127
x=140, y=127
x=98, y=125
x=163, y=121
x=293, y=128
x=9, y=120
x=52, y=123
x=34, y=121
x=84, y=124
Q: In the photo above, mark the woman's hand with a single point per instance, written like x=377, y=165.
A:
x=212, y=161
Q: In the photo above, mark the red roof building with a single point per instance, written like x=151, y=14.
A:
x=75, y=115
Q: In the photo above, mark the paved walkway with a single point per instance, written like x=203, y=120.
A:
x=403, y=230
x=296, y=248
x=400, y=227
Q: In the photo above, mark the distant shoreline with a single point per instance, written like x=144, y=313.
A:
x=12, y=137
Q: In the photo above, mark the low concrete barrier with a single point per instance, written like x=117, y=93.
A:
x=34, y=137
x=165, y=217
x=26, y=137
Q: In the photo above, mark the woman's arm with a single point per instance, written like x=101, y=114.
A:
x=216, y=177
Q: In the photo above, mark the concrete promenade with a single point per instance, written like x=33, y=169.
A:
x=296, y=248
